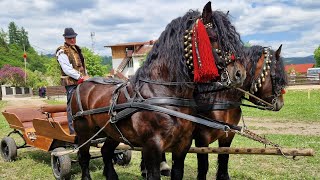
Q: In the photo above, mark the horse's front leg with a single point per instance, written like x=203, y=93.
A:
x=107, y=152
x=178, y=157
x=84, y=159
x=203, y=162
x=164, y=167
x=151, y=159
x=223, y=159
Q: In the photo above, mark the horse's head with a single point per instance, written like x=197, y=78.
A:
x=269, y=79
x=226, y=47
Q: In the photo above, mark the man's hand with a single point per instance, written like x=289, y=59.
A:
x=83, y=78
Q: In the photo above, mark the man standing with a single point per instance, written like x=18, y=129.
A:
x=73, y=69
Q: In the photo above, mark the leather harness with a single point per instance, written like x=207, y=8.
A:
x=138, y=103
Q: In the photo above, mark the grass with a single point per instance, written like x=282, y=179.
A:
x=33, y=163
x=298, y=108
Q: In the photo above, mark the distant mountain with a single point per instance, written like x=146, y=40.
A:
x=299, y=60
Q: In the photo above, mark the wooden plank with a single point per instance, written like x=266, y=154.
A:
x=52, y=129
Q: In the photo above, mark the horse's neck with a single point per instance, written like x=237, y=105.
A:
x=148, y=90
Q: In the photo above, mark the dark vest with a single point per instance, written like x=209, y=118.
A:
x=76, y=59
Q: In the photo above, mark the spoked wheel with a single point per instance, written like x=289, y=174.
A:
x=8, y=149
x=61, y=165
x=122, y=158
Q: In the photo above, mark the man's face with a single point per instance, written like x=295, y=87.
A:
x=71, y=41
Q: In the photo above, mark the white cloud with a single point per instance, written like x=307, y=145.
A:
x=141, y=20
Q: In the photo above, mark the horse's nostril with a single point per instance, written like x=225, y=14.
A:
x=238, y=74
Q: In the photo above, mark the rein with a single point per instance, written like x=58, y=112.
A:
x=269, y=106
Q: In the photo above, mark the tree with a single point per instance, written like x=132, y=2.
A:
x=53, y=72
x=13, y=33
x=94, y=63
x=12, y=75
x=317, y=56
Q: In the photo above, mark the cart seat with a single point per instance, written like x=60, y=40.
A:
x=21, y=118
x=62, y=120
x=54, y=110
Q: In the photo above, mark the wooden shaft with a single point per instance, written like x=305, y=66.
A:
x=221, y=150
x=228, y=150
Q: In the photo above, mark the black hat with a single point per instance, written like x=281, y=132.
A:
x=69, y=33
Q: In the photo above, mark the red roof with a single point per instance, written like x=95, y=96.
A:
x=299, y=68
x=143, y=50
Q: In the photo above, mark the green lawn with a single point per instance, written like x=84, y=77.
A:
x=298, y=108
x=35, y=164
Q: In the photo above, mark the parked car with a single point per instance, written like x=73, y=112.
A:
x=313, y=74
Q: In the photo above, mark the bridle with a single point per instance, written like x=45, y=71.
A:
x=228, y=57
x=268, y=65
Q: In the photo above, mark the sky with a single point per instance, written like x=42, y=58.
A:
x=293, y=23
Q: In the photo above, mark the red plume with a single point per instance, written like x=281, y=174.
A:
x=205, y=68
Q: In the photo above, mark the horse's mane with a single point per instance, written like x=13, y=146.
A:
x=252, y=55
x=280, y=75
x=168, y=53
x=228, y=38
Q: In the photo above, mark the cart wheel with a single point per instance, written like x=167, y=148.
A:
x=8, y=149
x=61, y=165
x=123, y=158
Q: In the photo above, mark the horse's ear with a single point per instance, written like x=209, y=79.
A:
x=207, y=16
x=278, y=52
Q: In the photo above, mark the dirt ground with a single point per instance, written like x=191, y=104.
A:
x=267, y=126
x=259, y=126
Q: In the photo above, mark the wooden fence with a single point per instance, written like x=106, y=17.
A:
x=302, y=80
x=56, y=91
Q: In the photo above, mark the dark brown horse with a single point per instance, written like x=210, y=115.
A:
x=227, y=43
x=266, y=79
x=226, y=40
x=143, y=111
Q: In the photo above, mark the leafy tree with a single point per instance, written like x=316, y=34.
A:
x=13, y=33
x=36, y=79
x=94, y=63
x=53, y=72
x=3, y=40
x=12, y=75
x=317, y=56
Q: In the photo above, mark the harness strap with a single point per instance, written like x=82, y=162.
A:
x=158, y=101
x=133, y=107
x=125, y=92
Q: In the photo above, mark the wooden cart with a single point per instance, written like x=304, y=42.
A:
x=46, y=128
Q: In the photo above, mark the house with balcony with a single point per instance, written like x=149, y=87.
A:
x=127, y=57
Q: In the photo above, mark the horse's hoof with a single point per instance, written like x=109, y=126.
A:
x=144, y=173
x=165, y=169
x=223, y=177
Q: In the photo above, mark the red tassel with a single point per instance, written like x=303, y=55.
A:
x=205, y=68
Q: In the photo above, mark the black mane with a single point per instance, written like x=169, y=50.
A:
x=228, y=37
x=168, y=53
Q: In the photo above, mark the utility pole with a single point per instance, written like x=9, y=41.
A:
x=25, y=65
x=92, y=41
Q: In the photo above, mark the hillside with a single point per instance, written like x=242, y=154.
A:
x=299, y=60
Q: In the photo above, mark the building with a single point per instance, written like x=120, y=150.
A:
x=298, y=68
x=127, y=57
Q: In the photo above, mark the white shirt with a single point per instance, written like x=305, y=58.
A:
x=66, y=66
